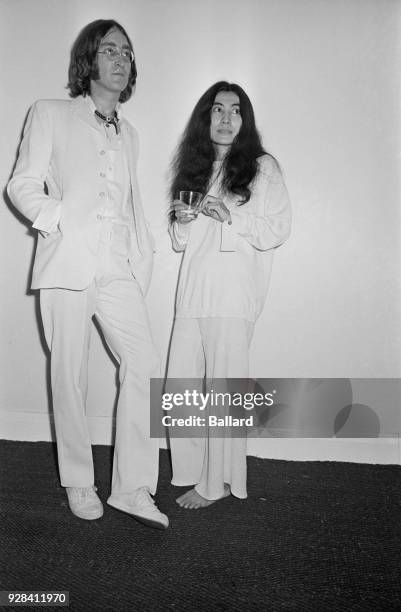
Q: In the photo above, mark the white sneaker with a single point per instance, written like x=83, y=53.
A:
x=141, y=505
x=84, y=502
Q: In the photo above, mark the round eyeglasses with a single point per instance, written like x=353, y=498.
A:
x=112, y=53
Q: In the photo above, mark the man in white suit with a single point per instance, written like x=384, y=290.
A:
x=75, y=180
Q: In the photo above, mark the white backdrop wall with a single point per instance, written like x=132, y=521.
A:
x=323, y=77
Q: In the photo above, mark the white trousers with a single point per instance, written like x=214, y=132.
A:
x=218, y=348
x=115, y=299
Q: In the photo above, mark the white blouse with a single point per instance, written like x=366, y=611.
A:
x=226, y=269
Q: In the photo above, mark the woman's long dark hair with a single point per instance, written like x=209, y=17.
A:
x=193, y=162
x=83, y=63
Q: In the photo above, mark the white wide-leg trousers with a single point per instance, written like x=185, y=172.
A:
x=218, y=348
x=115, y=299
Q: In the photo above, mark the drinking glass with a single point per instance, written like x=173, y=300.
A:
x=193, y=200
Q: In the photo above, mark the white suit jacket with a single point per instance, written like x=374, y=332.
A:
x=61, y=174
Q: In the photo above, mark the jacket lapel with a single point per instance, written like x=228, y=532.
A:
x=83, y=111
x=135, y=197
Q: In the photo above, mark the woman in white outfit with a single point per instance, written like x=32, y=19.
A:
x=224, y=276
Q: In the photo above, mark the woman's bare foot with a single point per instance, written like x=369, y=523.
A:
x=192, y=500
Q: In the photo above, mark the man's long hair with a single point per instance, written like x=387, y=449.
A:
x=83, y=63
x=193, y=162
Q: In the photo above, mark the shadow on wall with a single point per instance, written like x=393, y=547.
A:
x=32, y=234
x=28, y=225
x=311, y=408
x=275, y=407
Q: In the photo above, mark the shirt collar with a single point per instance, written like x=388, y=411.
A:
x=92, y=107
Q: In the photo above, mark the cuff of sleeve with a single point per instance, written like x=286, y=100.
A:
x=181, y=231
x=48, y=219
x=179, y=236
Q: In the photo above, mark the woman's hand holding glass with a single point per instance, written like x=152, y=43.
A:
x=210, y=207
x=187, y=207
x=182, y=213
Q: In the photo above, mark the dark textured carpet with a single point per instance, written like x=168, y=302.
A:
x=311, y=537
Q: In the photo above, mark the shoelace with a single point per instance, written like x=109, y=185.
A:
x=143, y=499
x=84, y=492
